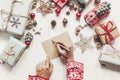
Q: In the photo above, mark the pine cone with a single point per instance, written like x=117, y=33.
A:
x=103, y=9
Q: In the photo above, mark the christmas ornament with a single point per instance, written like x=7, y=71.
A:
x=103, y=9
x=57, y=11
x=68, y=13
x=44, y=8
x=34, y=4
x=65, y=21
x=28, y=39
x=97, y=41
x=79, y=28
x=71, y=5
x=52, y=5
x=53, y=24
x=78, y=15
x=84, y=43
x=31, y=24
x=32, y=15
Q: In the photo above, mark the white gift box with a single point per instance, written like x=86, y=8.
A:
x=12, y=51
x=14, y=18
x=110, y=58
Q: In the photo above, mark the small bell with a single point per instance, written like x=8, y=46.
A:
x=71, y=5
x=65, y=21
x=53, y=24
x=52, y=5
x=68, y=13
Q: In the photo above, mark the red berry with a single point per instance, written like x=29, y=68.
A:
x=57, y=11
x=32, y=15
x=62, y=1
x=27, y=43
x=78, y=15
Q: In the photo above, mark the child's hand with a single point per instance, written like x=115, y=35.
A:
x=44, y=69
x=65, y=51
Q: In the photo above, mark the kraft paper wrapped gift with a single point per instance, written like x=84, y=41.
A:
x=12, y=51
x=110, y=58
x=107, y=32
x=14, y=18
x=50, y=48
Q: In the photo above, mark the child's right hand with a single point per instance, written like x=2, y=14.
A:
x=66, y=51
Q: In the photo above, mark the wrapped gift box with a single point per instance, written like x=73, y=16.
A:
x=12, y=51
x=14, y=18
x=94, y=16
x=61, y=3
x=107, y=32
x=110, y=58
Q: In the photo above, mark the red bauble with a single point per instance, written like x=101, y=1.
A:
x=57, y=11
x=27, y=43
x=78, y=15
x=32, y=15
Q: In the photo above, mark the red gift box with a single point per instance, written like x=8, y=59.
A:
x=61, y=3
x=91, y=17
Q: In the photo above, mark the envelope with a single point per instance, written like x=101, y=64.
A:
x=50, y=48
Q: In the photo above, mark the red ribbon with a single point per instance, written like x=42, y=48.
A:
x=108, y=31
x=60, y=0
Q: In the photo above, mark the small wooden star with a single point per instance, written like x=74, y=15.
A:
x=44, y=8
x=84, y=43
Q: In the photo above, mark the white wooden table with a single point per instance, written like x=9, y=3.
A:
x=34, y=54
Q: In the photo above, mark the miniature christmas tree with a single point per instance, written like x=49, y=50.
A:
x=103, y=9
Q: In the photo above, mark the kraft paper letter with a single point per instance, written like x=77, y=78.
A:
x=50, y=48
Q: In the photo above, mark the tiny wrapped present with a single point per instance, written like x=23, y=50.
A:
x=12, y=51
x=110, y=58
x=61, y=3
x=108, y=32
x=12, y=19
x=101, y=11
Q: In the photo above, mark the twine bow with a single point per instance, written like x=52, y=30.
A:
x=10, y=13
x=115, y=54
x=108, y=31
x=9, y=53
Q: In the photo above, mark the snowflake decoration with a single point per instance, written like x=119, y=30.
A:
x=15, y=22
x=44, y=8
x=84, y=43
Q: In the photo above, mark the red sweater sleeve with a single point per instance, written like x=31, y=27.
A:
x=36, y=77
x=74, y=70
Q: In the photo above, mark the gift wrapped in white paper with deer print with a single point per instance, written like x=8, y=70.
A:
x=14, y=19
x=110, y=58
x=12, y=51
